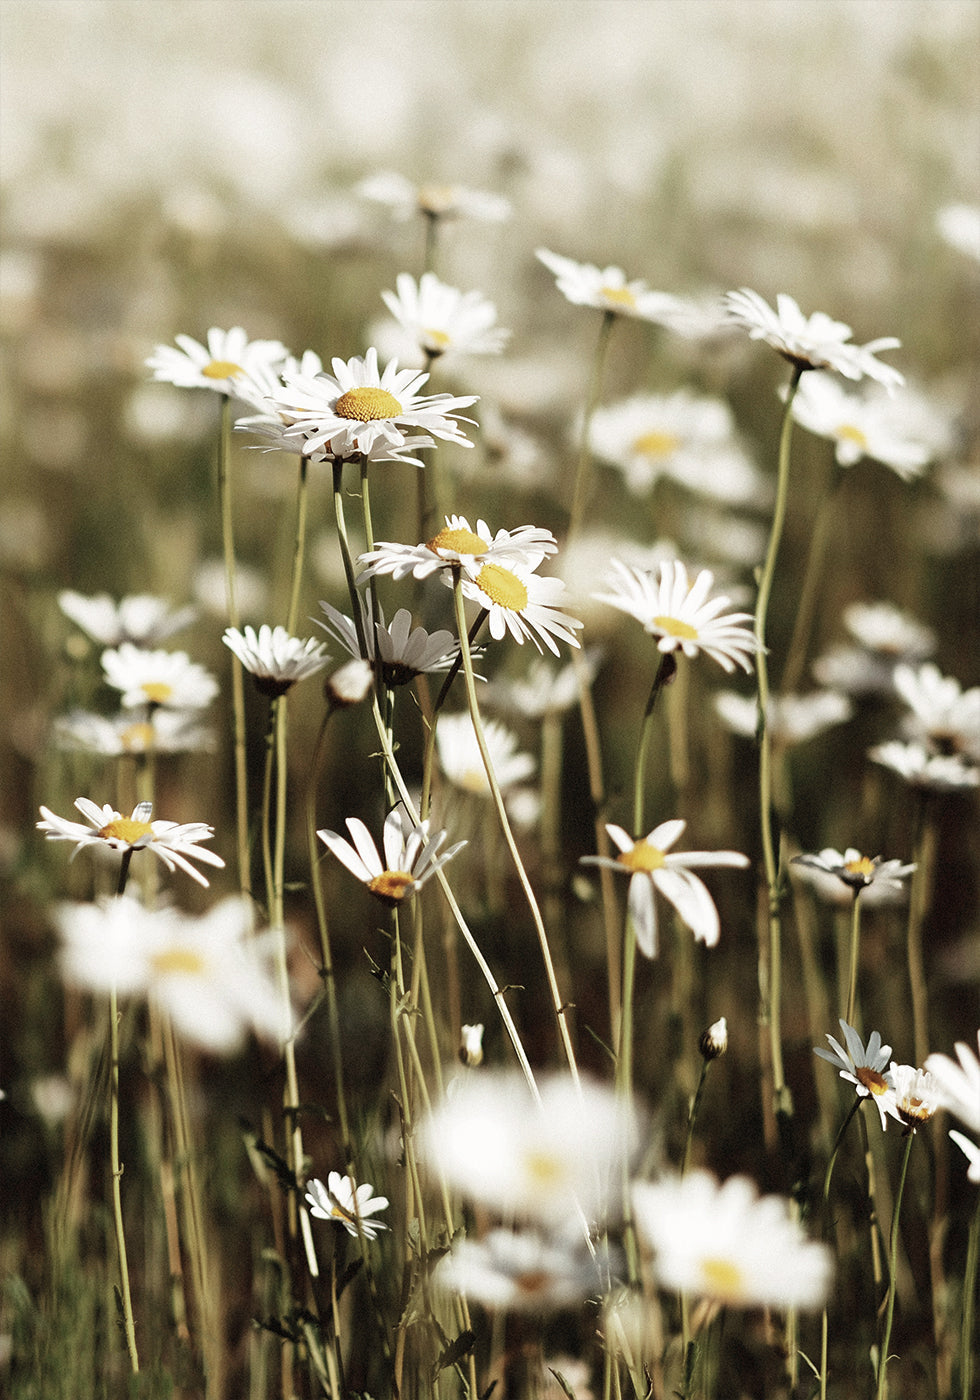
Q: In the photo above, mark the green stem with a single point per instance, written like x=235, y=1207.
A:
x=117, y=1171
x=969, y=1304
x=345, y=554
x=919, y=900
x=583, y=470
x=855, y=946
x=882, y=1390
x=237, y=680
x=810, y=589
x=299, y=546
x=665, y=673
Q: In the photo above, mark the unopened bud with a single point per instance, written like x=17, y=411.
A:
x=471, y=1045
x=350, y=684
x=714, y=1041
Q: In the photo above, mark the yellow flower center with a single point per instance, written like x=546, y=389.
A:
x=544, y=1169
x=436, y=199
x=459, y=541
x=157, y=692
x=367, y=404
x=722, y=1278
x=392, y=885
x=619, y=296
x=643, y=856
x=863, y=866
x=656, y=444
x=435, y=341
x=874, y=1082
x=502, y=587
x=125, y=829
x=848, y=433
x=674, y=627
x=221, y=369
x=180, y=962
x=138, y=738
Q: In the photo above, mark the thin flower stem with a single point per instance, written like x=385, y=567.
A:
x=299, y=546
x=969, y=1304
x=920, y=896
x=882, y=1390
x=345, y=554
x=584, y=469
x=692, y=1116
x=117, y=1171
x=559, y=1006
x=799, y=641
x=665, y=673
x=855, y=947
x=237, y=676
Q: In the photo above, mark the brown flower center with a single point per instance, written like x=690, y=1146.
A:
x=392, y=886
x=874, y=1082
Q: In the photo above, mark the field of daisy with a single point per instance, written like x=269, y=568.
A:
x=490, y=692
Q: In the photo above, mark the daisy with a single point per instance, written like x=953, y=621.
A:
x=916, y=1095
x=855, y=870
x=471, y=1045
x=167, y=678
x=457, y=546
x=274, y=658
x=462, y=762
x=959, y=225
x=543, y=689
x=792, y=719
x=435, y=201
x=725, y=1243
x=411, y=856
x=350, y=1207
x=518, y=1272
x=443, y=320
x=522, y=603
x=350, y=684
x=885, y=637
x=944, y=715
x=607, y=289
x=652, y=868
x=680, y=614
x=163, y=731
x=903, y=434
x=863, y=1067
x=109, y=831
x=140, y=618
x=914, y=763
x=713, y=1042
x=209, y=973
x=400, y=650
x=361, y=411
x=216, y=365
x=958, y=1085
x=811, y=342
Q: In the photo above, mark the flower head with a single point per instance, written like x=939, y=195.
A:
x=522, y=603
x=518, y=1271
x=411, y=855
x=957, y=1085
x=714, y=1041
x=434, y=200
x=400, y=651
x=216, y=365
x=680, y=615
x=863, y=1067
x=154, y=678
x=442, y=320
x=471, y=1045
x=792, y=719
x=457, y=546
x=855, y=870
x=651, y=867
x=943, y=715
x=140, y=618
x=904, y=434
x=110, y=832
x=162, y=731
x=915, y=1094
x=274, y=658
x=339, y=1201
x=920, y=768
x=462, y=762
x=811, y=342
x=885, y=637
x=607, y=289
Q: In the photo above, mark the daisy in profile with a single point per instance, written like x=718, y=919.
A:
x=518, y=1271
x=680, y=614
x=167, y=678
x=863, y=1066
x=792, y=719
x=341, y=1202
x=811, y=342
x=856, y=871
x=916, y=1095
x=942, y=714
x=462, y=763
x=606, y=289
x=433, y=200
x=109, y=832
x=905, y=434
x=885, y=636
x=917, y=766
x=725, y=1243
x=274, y=658
x=140, y=618
x=215, y=365
x=440, y=320
x=411, y=855
x=400, y=650
x=456, y=546
x=957, y=1086
x=652, y=867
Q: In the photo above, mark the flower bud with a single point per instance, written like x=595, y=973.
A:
x=714, y=1041
x=471, y=1045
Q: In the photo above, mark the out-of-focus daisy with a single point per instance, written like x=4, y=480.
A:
x=400, y=650
x=361, y=410
x=166, y=678
x=209, y=973
x=340, y=1202
x=959, y=225
x=434, y=200
x=209, y=586
x=543, y=689
x=831, y=890
x=958, y=1090
x=493, y=1143
x=175, y=843
x=687, y=437
x=885, y=636
x=855, y=870
x=163, y=731
x=275, y=659
x=944, y=715
x=471, y=1045
x=462, y=763
x=713, y=1042
x=607, y=289
x=522, y=603
x=518, y=1271
x=140, y=618
x=442, y=320
x=350, y=683
x=215, y=365
x=411, y=855
x=681, y=615
x=811, y=342
x=904, y=433
x=864, y=1067
x=792, y=719
x=651, y=867
x=920, y=768
x=725, y=1243
x=456, y=545
x=915, y=1094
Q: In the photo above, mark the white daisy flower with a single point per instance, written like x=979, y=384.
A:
x=462, y=763
x=471, y=1045
x=216, y=365
x=725, y=1243
x=140, y=618
x=400, y=650
x=607, y=289
x=652, y=867
x=864, y=1067
x=162, y=731
x=209, y=973
x=411, y=855
x=458, y=546
x=175, y=843
x=904, y=433
x=855, y=870
x=522, y=603
x=944, y=715
x=916, y=1095
x=958, y=1084
x=959, y=225
x=920, y=768
x=791, y=719
x=885, y=636
x=435, y=201
x=514, y=1271
x=544, y=688
x=339, y=1201
x=167, y=678
x=274, y=658
x=351, y=683
x=680, y=614
x=442, y=320
x=811, y=342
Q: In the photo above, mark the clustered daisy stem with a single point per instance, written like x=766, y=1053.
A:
x=117, y=1171
x=881, y=1392
x=237, y=678
x=919, y=897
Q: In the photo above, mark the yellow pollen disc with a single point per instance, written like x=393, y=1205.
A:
x=871, y=1079
x=367, y=404
x=137, y=738
x=864, y=865
x=722, y=1278
x=643, y=856
x=621, y=296
x=848, y=433
x=544, y=1169
x=157, y=692
x=474, y=780
x=459, y=541
x=125, y=829
x=392, y=885
x=502, y=587
x=221, y=369
x=656, y=444
x=181, y=961
x=436, y=199
x=674, y=627
x=436, y=341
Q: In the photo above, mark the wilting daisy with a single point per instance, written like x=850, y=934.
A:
x=680, y=615
x=215, y=366
x=864, y=1067
x=518, y=1271
x=811, y=342
x=436, y=201
x=162, y=731
x=522, y=603
x=915, y=1094
x=411, y=855
x=725, y=1243
x=920, y=768
x=903, y=433
x=167, y=678
x=175, y=843
x=340, y=1202
x=400, y=650
x=140, y=618
x=943, y=714
x=607, y=289
x=209, y=973
x=651, y=867
x=462, y=762
x=274, y=658
x=957, y=1087
x=855, y=870
x=442, y=320
x=457, y=546
x=792, y=719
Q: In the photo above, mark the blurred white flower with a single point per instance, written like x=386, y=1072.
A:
x=810, y=342
x=140, y=618
x=274, y=658
x=915, y=1094
x=856, y=871
x=350, y=683
x=543, y=689
x=864, y=1067
x=904, y=433
x=443, y=321
x=792, y=719
x=885, y=636
x=959, y=225
x=162, y=731
x=471, y=1045
x=462, y=763
x=958, y=1084
x=943, y=715
x=920, y=768
x=411, y=855
x=607, y=289
x=433, y=200
x=167, y=678
x=340, y=1202
x=518, y=1271
x=216, y=365
x=174, y=843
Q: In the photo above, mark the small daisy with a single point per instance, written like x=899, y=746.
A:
x=885, y=637
x=274, y=658
x=944, y=715
x=792, y=719
x=411, y=855
x=916, y=1095
x=543, y=689
x=958, y=1084
x=442, y=320
x=339, y=1201
x=522, y=603
x=724, y=1243
x=167, y=678
x=457, y=546
x=462, y=763
x=140, y=618
x=607, y=289
x=651, y=867
x=110, y=831
x=863, y=1067
x=919, y=768
x=471, y=1045
x=903, y=434
x=518, y=1272
x=680, y=614
x=350, y=683
x=435, y=201
x=811, y=342
x=855, y=870
x=216, y=365
x=163, y=731
x=401, y=651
